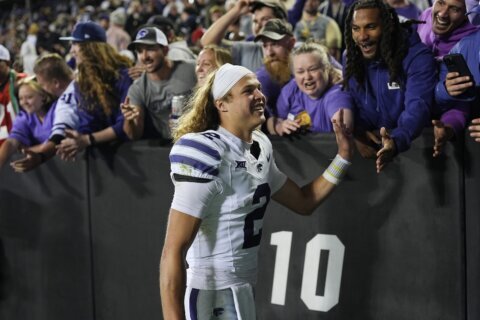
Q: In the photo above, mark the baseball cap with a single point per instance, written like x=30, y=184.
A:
x=275, y=29
x=149, y=35
x=87, y=31
x=4, y=54
x=276, y=5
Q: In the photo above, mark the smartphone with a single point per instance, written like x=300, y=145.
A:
x=455, y=62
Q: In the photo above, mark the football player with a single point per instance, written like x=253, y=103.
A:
x=224, y=174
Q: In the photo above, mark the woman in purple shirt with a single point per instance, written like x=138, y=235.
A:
x=314, y=90
x=33, y=124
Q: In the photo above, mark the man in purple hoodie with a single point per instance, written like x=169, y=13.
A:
x=446, y=23
x=391, y=76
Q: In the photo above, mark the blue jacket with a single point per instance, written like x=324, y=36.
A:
x=404, y=108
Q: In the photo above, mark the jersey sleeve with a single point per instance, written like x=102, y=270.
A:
x=195, y=161
x=196, y=156
x=194, y=197
x=66, y=116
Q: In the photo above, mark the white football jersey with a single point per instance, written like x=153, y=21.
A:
x=237, y=187
x=66, y=116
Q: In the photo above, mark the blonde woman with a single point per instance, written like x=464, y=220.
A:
x=314, y=91
x=210, y=59
x=32, y=126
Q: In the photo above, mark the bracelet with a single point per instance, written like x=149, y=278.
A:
x=92, y=140
x=336, y=170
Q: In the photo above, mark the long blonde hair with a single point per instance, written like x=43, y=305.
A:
x=201, y=112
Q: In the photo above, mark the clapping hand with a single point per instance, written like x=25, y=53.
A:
x=388, y=150
x=73, y=143
x=442, y=134
x=29, y=162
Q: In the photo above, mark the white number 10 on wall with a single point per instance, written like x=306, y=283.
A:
x=336, y=251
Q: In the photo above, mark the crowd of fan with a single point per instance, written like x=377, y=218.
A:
x=75, y=75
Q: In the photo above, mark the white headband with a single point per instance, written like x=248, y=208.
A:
x=226, y=77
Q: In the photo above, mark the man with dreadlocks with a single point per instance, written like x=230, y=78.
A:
x=391, y=77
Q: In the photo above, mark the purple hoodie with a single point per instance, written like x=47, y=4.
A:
x=441, y=45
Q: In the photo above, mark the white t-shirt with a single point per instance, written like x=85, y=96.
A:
x=218, y=180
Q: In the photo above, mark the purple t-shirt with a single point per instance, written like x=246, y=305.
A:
x=29, y=130
x=321, y=110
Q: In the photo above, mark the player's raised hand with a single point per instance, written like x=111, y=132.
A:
x=388, y=150
x=344, y=136
x=442, y=134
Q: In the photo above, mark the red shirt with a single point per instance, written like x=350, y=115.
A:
x=7, y=113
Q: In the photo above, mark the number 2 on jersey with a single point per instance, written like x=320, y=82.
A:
x=250, y=239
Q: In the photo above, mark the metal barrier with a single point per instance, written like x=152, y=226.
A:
x=83, y=240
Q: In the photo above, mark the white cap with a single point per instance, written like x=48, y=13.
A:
x=4, y=53
x=226, y=77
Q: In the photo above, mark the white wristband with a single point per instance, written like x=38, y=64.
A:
x=336, y=170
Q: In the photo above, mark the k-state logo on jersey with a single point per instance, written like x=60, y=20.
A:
x=241, y=164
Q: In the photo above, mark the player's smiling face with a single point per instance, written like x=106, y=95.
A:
x=246, y=104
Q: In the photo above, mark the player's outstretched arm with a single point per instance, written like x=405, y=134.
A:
x=305, y=199
x=181, y=231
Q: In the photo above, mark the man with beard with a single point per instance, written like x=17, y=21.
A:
x=317, y=26
x=247, y=53
x=277, y=43
x=148, y=107
x=391, y=76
